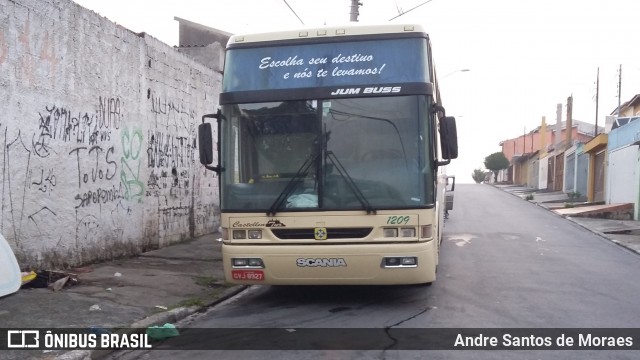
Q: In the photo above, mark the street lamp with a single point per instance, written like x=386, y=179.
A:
x=455, y=71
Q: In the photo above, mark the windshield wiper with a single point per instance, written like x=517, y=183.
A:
x=352, y=185
x=303, y=171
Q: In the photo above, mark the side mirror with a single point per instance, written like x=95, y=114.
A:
x=205, y=142
x=449, y=138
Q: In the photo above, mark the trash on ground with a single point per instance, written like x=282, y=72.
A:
x=28, y=277
x=47, y=278
x=117, y=274
x=162, y=332
x=95, y=307
x=162, y=307
x=109, y=289
x=59, y=284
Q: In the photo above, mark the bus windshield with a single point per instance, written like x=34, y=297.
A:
x=337, y=154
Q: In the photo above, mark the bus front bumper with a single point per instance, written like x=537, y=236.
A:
x=342, y=264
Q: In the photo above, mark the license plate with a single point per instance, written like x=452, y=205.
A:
x=257, y=275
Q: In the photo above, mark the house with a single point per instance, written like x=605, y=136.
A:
x=202, y=43
x=630, y=108
x=623, y=170
x=545, y=146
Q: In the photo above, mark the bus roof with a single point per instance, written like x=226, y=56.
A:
x=325, y=32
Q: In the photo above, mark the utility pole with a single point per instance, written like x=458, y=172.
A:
x=597, y=95
x=619, y=90
x=569, y=132
x=558, y=137
x=355, y=5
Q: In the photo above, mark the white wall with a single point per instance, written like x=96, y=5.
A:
x=543, y=173
x=98, y=137
x=622, y=175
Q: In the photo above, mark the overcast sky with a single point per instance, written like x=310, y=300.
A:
x=524, y=56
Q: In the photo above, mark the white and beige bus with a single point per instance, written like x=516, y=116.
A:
x=331, y=148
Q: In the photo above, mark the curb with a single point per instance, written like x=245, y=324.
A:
x=169, y=316
x=595, y=232
x=603, y=235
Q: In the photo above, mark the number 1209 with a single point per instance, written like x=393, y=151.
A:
x=398, y=220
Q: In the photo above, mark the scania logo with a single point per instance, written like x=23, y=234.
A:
x=323, y=262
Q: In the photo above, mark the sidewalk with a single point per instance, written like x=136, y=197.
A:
x=157, y=287
x=622, y=232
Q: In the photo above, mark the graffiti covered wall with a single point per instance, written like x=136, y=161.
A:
x=98, y=137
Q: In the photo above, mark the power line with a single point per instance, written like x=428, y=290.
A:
x=293, y=11
x=413, y=8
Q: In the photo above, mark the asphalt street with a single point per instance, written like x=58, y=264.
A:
x=505, y=263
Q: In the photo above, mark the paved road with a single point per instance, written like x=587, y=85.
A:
x=505, y=263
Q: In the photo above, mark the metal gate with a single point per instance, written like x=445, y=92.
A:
x=571, y=172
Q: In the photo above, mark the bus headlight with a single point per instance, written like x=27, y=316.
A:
x=255, y=234
x=256, y=262
x=239, y=234
x=240, y=262
x=407, y=232
x=247, y=263
x=399, y=262
x=390, y=232
x=409, y=261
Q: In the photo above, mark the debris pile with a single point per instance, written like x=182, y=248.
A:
x=54, y=280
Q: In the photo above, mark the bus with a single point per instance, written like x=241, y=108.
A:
x=331, y=150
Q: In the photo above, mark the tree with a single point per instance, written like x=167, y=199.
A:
x=496, y=162
x=478, y=176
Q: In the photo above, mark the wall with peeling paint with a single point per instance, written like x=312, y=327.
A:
x=98, y=137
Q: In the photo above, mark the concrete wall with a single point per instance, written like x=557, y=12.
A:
x=211, y=55
x=98, y=137
x=534, y=169
x=543, y=173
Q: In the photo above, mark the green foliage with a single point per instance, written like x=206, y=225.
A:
x=529, y=197
x=478, y=176
x=574, y=195
x=569, y=205
x=496, y=162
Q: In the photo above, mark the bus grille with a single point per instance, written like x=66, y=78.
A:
x=332, y=233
